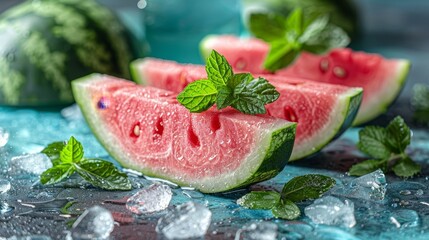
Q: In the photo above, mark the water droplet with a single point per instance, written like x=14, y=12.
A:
x=405, y=192
x=54, y=205
x=193, y=194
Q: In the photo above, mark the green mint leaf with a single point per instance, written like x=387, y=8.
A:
x=266, y=92
x=367, y=166
x=249, y=103
x=406, y=167
x=252, y=95
x=56, y=174
x=286, y=209
x=218, y=69
x=372, y=141
x=72, y=151
x=305, y=187
x=294, y=24
x=102, y=174
x=239, y=78
x=282, y=53
x=320, y=36
x=53, y=151
x=224, y=97
x=398, y=135
x=259, y=200
x=266, y=26
x=198, y=96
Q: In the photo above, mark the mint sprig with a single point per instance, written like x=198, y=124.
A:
x=289, y=36
x=68, y=159
x=282, y=205
x=241, y=91
x=387, y=148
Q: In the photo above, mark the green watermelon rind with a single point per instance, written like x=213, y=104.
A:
x=348, y=105
x=395, y=85
x=135, y=71
x=274, y=150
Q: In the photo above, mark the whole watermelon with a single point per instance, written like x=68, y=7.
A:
x=45, y=44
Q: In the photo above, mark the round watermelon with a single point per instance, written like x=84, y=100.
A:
x=322, y=111
x=47, y=43
x=382, y=79
x=146, y=129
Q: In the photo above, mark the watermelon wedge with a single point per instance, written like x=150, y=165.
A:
x=382, y=79
x=323, y=111
x=146, y=129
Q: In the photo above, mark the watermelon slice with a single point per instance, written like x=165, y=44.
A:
x=146, y=129
x=323, y=111
x=382, y=79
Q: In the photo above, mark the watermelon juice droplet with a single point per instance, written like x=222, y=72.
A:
x=103, y=103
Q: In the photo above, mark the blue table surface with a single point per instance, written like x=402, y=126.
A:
x=31, y=130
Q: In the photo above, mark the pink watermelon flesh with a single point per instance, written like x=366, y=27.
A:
x=382, y=79
x=323, y=111
x=146, y=129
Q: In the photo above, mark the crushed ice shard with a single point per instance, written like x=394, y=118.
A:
x=371, y=186
x=188, y=220
x=35, y=164
x=95, y=223
x=258, y=231
x=331, y=211
x=154, y=198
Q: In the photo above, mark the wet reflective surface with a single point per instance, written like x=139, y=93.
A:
x=28, y=208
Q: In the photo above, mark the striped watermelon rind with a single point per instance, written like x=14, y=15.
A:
x=48, y=43
x=274, y=148
x=347, y=107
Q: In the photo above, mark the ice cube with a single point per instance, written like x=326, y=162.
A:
x=154, y=198
x=35, y=163
x=371, y=186
x=4, y=137
x=4, y=186
x=331, y=211
x=258, y=231
x=72, y=113
x=95, y=223
x=189, y=220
